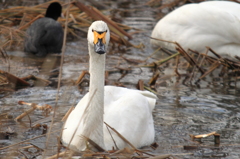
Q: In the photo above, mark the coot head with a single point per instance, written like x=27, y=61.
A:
x=54, y=10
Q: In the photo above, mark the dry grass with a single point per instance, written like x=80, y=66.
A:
x=16, y=20
x=197, y=66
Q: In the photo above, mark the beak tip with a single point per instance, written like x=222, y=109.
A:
x=101, y=52
x=99, y=47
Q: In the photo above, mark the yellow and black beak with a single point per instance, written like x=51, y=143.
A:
x=99, y=42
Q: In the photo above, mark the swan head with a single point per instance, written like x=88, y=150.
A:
x=99, y=36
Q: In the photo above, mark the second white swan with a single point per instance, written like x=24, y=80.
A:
x=195, y=26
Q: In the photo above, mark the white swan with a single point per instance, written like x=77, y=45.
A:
x=126, y=110
x=214, y=23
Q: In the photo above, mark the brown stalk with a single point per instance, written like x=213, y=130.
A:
x=2, y=148
x=35, y=78
x=161, y=40
x=95, y=145
x=112, y=138
x=32, y=145
x=176, y=69
x=140, y=85
x=216, y=138
x=193, y=70
x=13, y=79
x=34, y=106
x=214, y=66
x=29, y=23
x=61, y=154
x=203, y=58
x=123, y=138
x=150, y=90
x=153, y=80
x=133, y=61
x=25, y=113
x=46, y=106
x=59, y=80
x=218, y=56
x=117, y=39
x=188, y=57
x=80, y=78
x=97, y=15
x=152, y=54
x=227, y=62
x=202, y=135
x=67, y=114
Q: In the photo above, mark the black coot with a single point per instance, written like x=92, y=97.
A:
x=45, y=35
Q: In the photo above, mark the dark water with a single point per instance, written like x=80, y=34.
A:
x=180, y=111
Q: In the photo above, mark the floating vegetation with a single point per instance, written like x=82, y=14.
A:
x=14, y=21
x=9, y=82
x=194, y=66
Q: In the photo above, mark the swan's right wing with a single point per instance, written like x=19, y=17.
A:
x=114, y=93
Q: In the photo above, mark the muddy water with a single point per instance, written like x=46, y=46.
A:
x=181, y=110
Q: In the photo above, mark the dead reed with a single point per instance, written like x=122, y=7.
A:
x=14, y=21
x=196, y=66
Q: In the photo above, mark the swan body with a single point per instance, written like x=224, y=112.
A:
x=195, y=26
x=45, y=35
x=126, y=110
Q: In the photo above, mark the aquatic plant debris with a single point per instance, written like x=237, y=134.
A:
x=46, y=108
x=15, y=20
x=205, y=63
x=9, y=82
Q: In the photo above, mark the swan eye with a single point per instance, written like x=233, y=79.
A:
x=92, y=30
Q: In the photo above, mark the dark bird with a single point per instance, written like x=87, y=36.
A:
x=45, y=35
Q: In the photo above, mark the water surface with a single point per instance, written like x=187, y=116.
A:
x=181, y=110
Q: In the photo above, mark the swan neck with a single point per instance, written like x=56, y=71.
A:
x=96, y=96
x=97, y=75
